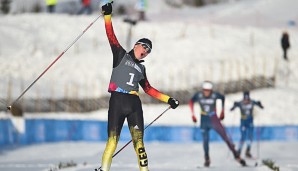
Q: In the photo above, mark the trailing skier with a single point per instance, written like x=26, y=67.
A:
x=246, y=107
x=209, y=119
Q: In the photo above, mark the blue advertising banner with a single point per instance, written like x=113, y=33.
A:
x=54, y=130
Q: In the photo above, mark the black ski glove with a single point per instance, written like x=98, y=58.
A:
x=107, y=8
x=260, y=104
x=173, y=103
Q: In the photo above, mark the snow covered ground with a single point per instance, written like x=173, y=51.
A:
x=162, y=157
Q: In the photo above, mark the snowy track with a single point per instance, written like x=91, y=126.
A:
x=162, y=157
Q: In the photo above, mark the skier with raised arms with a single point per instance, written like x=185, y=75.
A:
x=127, y=74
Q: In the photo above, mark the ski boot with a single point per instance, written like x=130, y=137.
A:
x=207, y=161
x=247, y=153
x=240, y=160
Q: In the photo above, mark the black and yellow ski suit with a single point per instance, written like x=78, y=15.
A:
x=128, y=73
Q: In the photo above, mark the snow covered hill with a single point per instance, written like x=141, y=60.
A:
x=218, y=42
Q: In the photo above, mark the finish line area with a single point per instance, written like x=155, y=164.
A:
x=86, y=156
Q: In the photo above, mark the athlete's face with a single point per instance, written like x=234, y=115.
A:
x=140, y=51
x=207, y=92
x=246, y=100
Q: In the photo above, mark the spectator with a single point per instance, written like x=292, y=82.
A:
x=141, y=7
x=51, y=4
x=86, y=7
x=285, y=44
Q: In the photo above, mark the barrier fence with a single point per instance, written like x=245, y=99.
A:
x=90, y=104
x=52, y=130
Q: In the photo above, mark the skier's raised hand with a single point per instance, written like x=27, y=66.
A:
x=107, y=9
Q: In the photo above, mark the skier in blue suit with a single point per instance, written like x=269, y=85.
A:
x=209, y=119
x=246, y=107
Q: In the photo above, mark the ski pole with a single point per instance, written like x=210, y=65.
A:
x=258, y=141
x=98, y=169
x=9, y=107
x=230, y=134
x=3, y=102
x=195, y=132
